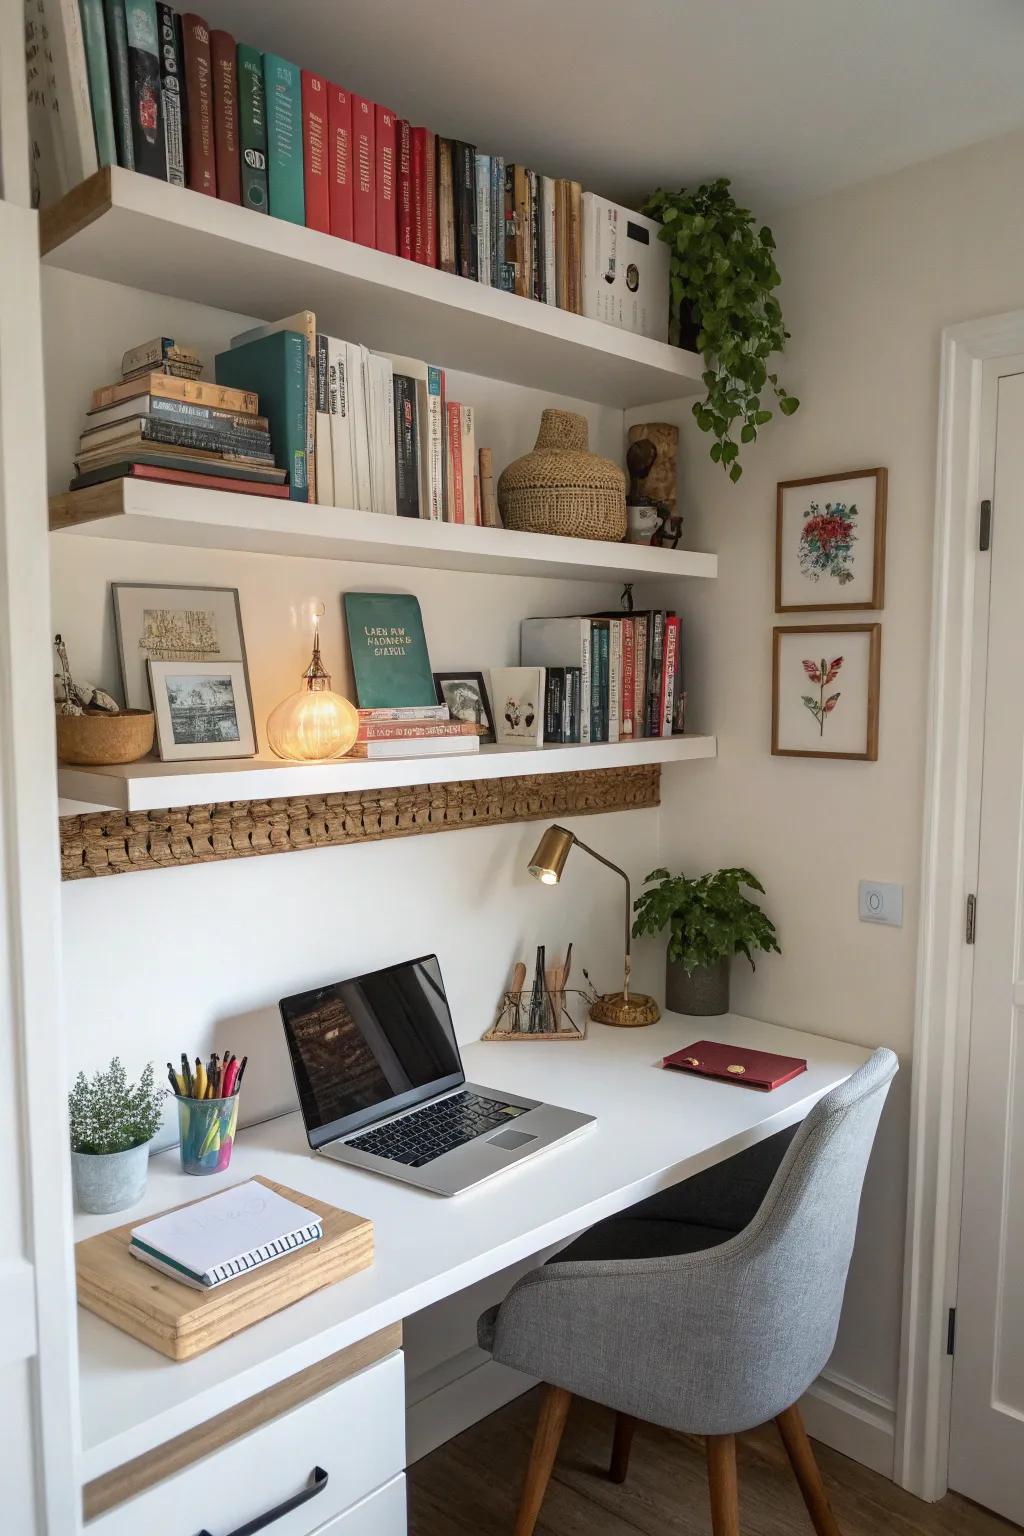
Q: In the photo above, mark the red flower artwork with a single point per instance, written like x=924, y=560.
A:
x=822, y=673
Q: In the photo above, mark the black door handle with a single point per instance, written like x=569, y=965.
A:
x=317, y=1484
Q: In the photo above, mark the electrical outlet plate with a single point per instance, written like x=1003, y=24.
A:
x=881, y=903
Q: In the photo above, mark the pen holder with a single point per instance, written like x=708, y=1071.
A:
x=207, y=1130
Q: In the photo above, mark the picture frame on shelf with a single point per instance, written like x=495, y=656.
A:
x=825, y=687
x=169, y=622
x=202, y=710
x=465, y=694
x=830, y=542
x=519, y=712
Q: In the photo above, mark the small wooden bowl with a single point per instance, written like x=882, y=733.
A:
x=98, y=740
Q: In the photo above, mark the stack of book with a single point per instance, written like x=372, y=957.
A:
x=609, y=677
x=426, y=730
x=160, y=421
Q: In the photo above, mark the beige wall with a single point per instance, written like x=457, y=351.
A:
x=872, y=275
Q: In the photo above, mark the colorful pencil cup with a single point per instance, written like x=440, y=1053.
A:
x=207, y=1129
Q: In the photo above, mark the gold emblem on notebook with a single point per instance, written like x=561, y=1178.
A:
x=693, y=1061
x=736, y=1071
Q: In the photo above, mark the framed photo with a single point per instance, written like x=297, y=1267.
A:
x=830, y=542
x=202, y=709
x=155, y=623
x=519, y=711
x=465, y=693
x=825, y=690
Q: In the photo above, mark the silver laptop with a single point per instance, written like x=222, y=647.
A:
x=380, y=1084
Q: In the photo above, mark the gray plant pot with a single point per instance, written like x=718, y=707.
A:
x=704, y=992
x=110, y=1181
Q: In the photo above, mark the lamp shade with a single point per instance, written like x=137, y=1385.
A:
x=552, y=851
x=313, y=724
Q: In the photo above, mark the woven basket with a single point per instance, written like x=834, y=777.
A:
x=99, y=740
x=563, y=488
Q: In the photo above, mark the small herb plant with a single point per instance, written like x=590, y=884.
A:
x=724, y=270
x=109, y=1114
x=709, y=918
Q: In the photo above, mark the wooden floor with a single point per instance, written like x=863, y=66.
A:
x=470, y=1487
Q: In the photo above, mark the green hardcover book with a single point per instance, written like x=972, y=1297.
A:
x=282, y=85
x=117, y=50
x=275, y=367
x=389, y=650
x=94, y=32
x=252, y=122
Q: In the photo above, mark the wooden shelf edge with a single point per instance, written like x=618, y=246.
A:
x=79, y=208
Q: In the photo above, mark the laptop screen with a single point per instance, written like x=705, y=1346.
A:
x=366, y=1048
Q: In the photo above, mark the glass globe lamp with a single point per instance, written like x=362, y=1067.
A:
x=313, y=724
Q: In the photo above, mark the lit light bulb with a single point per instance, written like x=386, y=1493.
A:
x=313, y=724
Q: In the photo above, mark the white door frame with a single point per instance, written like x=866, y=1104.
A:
x=942, y=1013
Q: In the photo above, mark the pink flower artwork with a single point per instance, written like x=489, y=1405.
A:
x=821, y=674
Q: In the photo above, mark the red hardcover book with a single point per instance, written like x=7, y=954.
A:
x=200, y=162
x=626, y=726
x=364, y=159
x=405, y=236
x=386, y=159
x=424, y=196
x=315, y=139
x=456, y=502
x=736, y=1064
x=224, y=61
x=669, y=666
x=339, y=124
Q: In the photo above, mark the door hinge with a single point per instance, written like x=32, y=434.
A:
x=951, y=1332
x=985, y=526
x=971, y=926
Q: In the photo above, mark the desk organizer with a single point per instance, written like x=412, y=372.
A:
x=532, y=1015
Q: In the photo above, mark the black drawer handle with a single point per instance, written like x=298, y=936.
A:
x=318, y=1482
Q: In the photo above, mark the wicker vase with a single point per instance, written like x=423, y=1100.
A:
x=561, y=487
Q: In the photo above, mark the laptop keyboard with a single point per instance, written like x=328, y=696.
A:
x=429, y=1133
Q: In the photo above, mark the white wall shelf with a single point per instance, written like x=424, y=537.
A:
x=151, y=785
x=151, y=513
x=139, y=232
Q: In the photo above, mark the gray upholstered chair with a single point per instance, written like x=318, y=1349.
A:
x=719, y=1326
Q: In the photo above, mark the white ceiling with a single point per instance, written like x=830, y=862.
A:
x=792, y=98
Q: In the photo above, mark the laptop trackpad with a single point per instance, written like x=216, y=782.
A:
x=511, y=1141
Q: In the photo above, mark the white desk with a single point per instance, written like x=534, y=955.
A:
x=653, y=1129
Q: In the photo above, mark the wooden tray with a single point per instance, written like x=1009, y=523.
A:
x=181, y=1322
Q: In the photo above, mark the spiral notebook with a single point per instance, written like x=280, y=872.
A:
x=214, y=1240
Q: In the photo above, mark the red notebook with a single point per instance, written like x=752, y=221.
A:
x=736, y=1064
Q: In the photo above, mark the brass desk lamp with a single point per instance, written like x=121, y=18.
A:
x=617, y=1008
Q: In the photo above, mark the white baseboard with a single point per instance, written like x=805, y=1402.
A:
x=837, y=1412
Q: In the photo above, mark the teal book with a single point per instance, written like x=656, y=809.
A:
x=275, y=367
x=252, y=126
x=94, y=32
x=283, y=87
x=117, y=51
x=389, y=650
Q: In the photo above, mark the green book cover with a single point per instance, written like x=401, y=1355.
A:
x=117, y=49
x=389, y=650
x=275, y=367
x=94, y=31
x=252, y=124
x=282, y=84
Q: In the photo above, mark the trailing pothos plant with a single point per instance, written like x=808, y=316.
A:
x=722, y=270
x=709, y=919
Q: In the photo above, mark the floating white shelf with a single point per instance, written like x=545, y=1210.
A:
x=152, y=785
x=151, y=513
x=142, y=233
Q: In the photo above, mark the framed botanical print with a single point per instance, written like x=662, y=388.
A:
x=830, y=542
x=165, y=623
x=825, y=690
x=202, y=710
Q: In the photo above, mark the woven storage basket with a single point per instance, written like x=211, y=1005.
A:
x=561, y=487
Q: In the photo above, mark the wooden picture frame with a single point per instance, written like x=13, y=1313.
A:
x=789, y=725
x=818, y=575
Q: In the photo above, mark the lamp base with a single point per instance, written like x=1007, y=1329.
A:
x=625, y=1013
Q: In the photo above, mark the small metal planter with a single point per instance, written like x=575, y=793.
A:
x=705, y=991
x=110, y=1181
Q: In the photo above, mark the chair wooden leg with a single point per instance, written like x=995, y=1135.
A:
x=805, y=1469
x=725, y=1504
x=625, y=1429
x=554, y=1410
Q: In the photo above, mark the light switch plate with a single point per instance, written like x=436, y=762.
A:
x=881, y=903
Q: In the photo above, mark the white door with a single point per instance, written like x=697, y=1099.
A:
x=986, y=1452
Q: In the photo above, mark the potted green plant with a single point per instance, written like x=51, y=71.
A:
x=709, y=921
x=723, y=278
x=112, y=1123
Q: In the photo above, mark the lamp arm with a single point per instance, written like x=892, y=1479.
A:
x=629, y=905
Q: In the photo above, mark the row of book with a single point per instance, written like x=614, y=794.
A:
x=609, y=677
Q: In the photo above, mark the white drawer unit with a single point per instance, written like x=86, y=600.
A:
x=382, y=1514
x=291, y=1476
